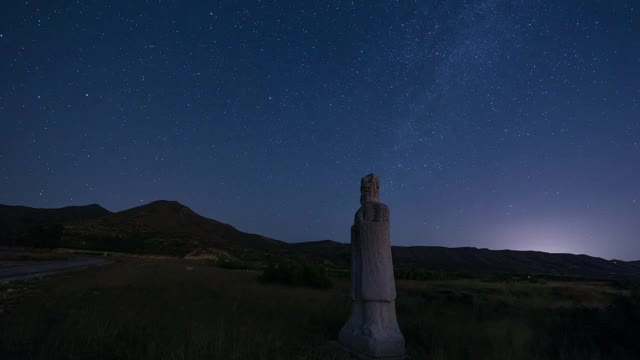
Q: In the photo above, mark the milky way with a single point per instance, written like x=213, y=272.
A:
x=500, y=124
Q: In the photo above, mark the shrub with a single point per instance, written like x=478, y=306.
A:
x=414, y=273
x=231, y=263
x=297, y=274
x=226, y=263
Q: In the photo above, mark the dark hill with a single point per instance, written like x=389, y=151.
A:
x=168, y=227
x=531, y=262
x=470, y=259
x=26, y=226
x=161, y=227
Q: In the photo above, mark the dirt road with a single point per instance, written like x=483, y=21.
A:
x=20, y=272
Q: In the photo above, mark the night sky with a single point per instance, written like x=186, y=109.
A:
x=499, y=124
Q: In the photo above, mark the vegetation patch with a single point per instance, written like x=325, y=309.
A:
x=18, y=256
x=295, y=273
x=178, y=309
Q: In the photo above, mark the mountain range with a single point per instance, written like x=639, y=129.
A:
x=170, y=228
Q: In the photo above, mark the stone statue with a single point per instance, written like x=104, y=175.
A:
x=372, y=329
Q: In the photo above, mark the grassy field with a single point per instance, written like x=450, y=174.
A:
x=18, y=256
x=170, y=309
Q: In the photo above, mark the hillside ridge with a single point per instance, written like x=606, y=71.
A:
x=167, y=227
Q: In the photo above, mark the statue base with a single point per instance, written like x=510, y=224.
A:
x=372, y=331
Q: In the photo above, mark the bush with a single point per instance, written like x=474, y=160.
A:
x=225, y=263
x=230, y=263
x=414, y=273
x=297, y=274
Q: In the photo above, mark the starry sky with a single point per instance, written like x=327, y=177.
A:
x=498, y=124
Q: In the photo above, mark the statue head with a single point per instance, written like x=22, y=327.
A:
x=369, y=189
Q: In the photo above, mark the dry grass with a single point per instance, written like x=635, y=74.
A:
x=169, y=310
x=18, y=256
x=137, y=309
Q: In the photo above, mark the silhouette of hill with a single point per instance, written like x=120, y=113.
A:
x=170, y=228
x=26, y=226
x=161, y=227
x=470, y=259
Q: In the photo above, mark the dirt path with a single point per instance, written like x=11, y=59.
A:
x=20, y=272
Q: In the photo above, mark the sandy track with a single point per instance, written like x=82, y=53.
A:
x=20, y=272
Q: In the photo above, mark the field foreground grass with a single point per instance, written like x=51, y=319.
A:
x=160, y=309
